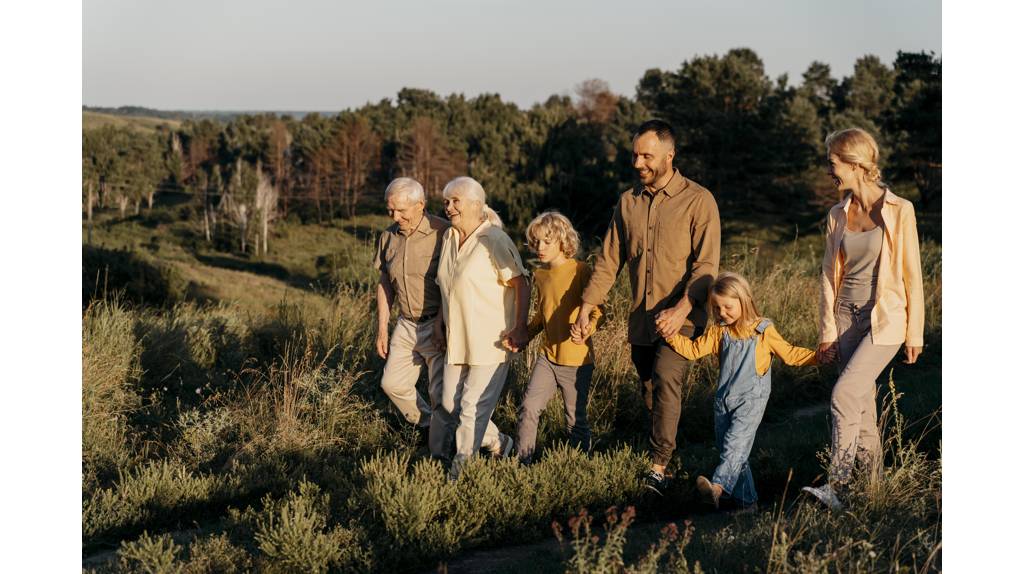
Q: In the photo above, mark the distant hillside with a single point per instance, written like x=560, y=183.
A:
x=224, y=116
x=93, y=120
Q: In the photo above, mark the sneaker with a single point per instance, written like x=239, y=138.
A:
x=505, y=446
x=656, y=482
x=710, y=492
x=824, y=495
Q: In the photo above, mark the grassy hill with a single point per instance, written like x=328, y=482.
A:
x=93, y=120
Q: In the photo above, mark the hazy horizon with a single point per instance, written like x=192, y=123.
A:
x=235, y=56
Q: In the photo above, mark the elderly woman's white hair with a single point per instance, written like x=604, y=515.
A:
x=469, y=188
x=407, y=186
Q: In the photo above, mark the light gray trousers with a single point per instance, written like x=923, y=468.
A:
x=854, y=415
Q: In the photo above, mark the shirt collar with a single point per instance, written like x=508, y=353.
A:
x=887, y=196
x=676, y=184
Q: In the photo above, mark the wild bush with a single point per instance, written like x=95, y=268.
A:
x=110, y=373
x=294, y=535
x=150, y=555
x=156, y=494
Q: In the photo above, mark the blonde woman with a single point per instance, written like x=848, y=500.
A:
x=484, y=305
x=872, y=301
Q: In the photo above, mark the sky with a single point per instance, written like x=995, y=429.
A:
x=307, y=55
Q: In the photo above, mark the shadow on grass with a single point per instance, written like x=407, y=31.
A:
x=263, y=268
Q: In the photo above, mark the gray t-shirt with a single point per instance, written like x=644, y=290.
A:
x=861, y=250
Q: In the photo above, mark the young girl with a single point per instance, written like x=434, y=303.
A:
x=745, y=343
x=561, y=362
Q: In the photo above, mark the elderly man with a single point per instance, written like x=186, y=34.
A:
x=666, y=231
x=407, y=257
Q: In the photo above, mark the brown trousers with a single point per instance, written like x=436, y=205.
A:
x=662, y=373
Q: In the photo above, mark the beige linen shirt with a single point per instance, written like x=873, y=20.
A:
x=898, y=314
x=477, y=299
x=670, y=241
x=409, y=264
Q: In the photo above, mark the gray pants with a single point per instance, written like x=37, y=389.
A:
x=575, y=385
x=854, y=415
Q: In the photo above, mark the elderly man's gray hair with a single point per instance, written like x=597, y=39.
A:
x=406, y=186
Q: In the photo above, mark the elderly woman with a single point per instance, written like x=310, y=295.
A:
x=872, y=301
x=484, y=300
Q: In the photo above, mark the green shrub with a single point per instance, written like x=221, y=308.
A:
x=150, y=555
x=216, y=555
x=294, y=536
x=156, y=494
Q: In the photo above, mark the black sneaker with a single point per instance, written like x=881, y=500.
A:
x=656, y=482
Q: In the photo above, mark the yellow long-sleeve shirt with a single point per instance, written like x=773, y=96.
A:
x=770, y=343
x=559, y=297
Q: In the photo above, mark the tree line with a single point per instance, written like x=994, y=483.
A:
x=756, y=142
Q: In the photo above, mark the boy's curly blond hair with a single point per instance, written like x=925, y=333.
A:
x=553, y=226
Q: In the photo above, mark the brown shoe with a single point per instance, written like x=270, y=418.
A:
x=710, y=492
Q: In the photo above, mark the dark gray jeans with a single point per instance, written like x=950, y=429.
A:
x=574, y=383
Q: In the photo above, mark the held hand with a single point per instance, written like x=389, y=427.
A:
x=515, y=339
x=439, y=335
x=669, y=321
x=912, y=354
x=580, y=329
x=382, y=342
x=826, y=353
x=579, y=337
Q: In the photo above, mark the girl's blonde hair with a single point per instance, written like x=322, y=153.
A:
x=552, y=226
x=856, y=147
x=471, y=189
x=729, y=284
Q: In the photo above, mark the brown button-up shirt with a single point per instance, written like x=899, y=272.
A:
x=409, y=264
x=671, y=241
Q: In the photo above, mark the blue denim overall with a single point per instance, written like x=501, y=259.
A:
x=739, y=405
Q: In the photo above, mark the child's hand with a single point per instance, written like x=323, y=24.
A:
x=578, y=329
x=827, y=352
x=580, y=336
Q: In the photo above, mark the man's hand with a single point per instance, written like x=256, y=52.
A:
x=826, y=353
x=912, y=354
x=440, y=343
x=515, y=339
x=670, y=321
x=382, y=342
x=580, y=329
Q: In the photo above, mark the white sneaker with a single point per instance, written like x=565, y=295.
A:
x=505, y=446
x=825, y=495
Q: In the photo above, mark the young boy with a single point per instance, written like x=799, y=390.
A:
x=561, y=362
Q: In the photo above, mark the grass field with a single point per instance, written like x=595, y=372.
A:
x=235, y=423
